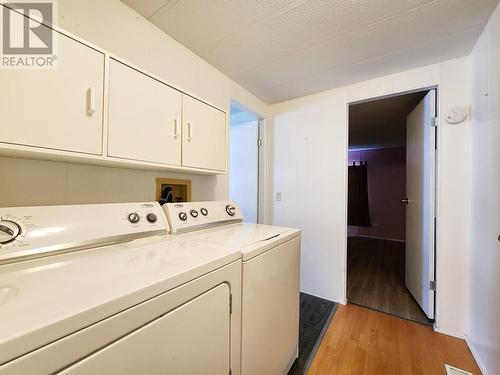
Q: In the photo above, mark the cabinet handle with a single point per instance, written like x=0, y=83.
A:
x=91, y=101
x=190, y=131
x=176, y=128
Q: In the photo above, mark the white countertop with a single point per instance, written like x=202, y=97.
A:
x=42, y=300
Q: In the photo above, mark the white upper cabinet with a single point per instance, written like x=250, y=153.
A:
x=96, y=108
x=204, y=135
x=59, y=108
x=144, y=117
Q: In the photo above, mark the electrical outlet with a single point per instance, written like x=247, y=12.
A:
x=278, y=196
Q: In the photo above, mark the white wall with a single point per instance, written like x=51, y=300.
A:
x=309, y=155
x=112, y=25
x=484, y=331
x=26, y=182
x=249, y=101
x=309, y=166
x=453, y=202
x=243, y=168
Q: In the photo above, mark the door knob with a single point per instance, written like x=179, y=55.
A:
x=405, y=200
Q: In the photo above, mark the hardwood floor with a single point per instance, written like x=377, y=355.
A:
x=376, y=278
x=315, y=316
x=363, y=341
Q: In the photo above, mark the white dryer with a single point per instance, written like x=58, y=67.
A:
x=132, y=300
x=270, y=279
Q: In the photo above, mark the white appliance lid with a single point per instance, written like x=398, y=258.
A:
x=244, y=235
x=44, y=299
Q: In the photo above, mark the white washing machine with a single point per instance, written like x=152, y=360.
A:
x=270, y=279
x=131, y=300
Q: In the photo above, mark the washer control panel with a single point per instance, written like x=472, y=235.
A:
x=32, y=231
x=184, y=217
x=9, y=231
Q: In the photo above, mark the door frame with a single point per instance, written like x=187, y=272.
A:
x=260, y=174
x=436, y=181
x=262, y=177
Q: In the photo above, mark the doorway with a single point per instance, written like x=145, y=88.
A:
x=244, y=161
x=391, y=220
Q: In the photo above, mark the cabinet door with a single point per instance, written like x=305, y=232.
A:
x=192, y=339
x=144, y=117
x=204, y=135
x=50, y=108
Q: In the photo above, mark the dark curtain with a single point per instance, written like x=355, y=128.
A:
x=358, y=212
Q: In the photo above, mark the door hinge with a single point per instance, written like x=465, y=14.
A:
x=432, y=285
x=435, y=122
x=259, y=142
x=230, y=304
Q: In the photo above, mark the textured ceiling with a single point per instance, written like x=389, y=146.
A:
x=281, y=49
x=381, y=123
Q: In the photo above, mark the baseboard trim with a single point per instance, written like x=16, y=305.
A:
x=341, y=301
x=448, y=333
x=319, y=340
x=375, y=238
x=478, y=360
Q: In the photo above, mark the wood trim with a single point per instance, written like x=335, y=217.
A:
x=173, y=181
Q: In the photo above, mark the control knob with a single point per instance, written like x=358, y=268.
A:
x=194, y=213
x=204, y=211
x=183, y=216
x=231, y=210
x=134, y=217
x=9, y=231
x=151, y=218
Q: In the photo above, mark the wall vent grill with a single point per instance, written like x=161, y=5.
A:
x=450, y=370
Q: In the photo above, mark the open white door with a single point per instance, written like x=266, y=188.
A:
x=420, y=214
